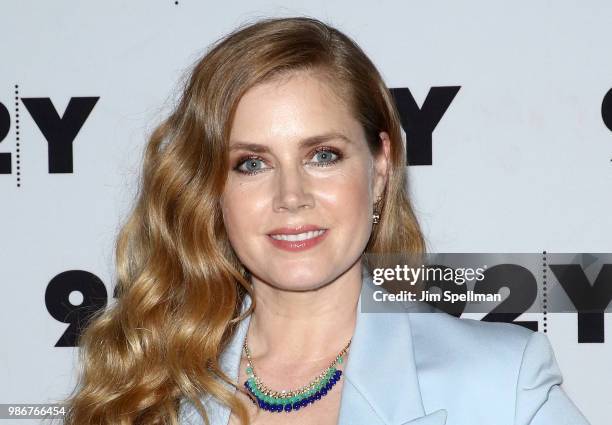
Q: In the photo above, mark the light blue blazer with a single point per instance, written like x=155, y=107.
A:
x=418, y=368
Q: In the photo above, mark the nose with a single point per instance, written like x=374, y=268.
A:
x=292, y=191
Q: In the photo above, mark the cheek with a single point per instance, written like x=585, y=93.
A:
x=240, y=206
x=350, y=197
x=235, y=227
x=230, y=207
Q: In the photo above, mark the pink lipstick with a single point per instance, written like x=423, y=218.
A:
x=297, y=238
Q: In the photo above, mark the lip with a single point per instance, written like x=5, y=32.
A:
x=296, y=230
x=294, y=246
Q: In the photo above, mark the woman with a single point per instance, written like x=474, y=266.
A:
x=240, y=269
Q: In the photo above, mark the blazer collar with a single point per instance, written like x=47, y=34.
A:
x=381, y=384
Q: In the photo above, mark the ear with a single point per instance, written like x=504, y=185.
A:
x=381, y=165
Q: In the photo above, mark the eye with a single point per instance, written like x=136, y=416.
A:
x=250, y=165
x=326, y=156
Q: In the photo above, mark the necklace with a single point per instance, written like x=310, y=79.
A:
x=288, y=400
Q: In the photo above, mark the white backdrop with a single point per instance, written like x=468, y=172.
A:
x=521, y=159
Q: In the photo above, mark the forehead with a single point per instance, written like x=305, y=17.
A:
x=294, y=106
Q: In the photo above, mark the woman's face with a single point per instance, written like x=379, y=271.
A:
x=298, y=158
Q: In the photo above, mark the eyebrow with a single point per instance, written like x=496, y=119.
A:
x=304, y=143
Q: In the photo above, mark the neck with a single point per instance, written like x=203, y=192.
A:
x=304, y=327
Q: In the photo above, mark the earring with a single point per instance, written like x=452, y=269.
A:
x=376, y=215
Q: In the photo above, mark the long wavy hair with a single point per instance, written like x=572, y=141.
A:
x=180, y=285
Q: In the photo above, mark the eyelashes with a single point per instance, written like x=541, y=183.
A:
x=253, y=159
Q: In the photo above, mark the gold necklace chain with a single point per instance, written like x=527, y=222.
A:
x=291, y=393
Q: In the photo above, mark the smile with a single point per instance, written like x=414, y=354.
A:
x=298, y=242
x=299, y=237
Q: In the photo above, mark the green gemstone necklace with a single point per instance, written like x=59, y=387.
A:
x=286, y=401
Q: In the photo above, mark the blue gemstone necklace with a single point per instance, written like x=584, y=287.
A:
x=288, y=400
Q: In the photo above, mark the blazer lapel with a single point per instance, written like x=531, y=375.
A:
x=381, y=384
x=230, y=364
x=380, y=377
x=229, y=361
